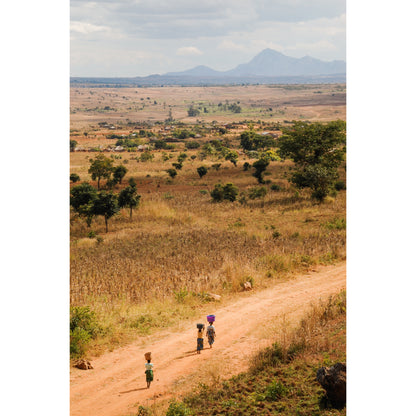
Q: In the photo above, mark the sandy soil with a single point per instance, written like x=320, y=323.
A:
x=116, y=386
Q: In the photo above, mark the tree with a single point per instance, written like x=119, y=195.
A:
x=72, y=145
x=177, y=166
x=82, y=199
x=101, y=167
x=317, y=150
x=317, y=177
x=315, y=143
x=250, y=140
x=73, y=177
x=260, y=167
x=128, y=197
x=119, y=173
x=232, y=156
x=106, y=204
x=202, y=171
x=193, y=112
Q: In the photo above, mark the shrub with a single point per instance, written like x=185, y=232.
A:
x=340, y=186
x=246, y=166
x=172, y=172
x=91, y=234
x=73, y=177
x=202, y=171
x=275, y=391
x=146, y=157
x=143, y=411
x=83, y=327
x=227, y=192
x=275, y=187
x=178, y=409
x=255, y=193
x=192, y=145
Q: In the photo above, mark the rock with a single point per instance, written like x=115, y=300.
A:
x=247, y=286
x=334, y=381
x=214, y=296
x=83, y=365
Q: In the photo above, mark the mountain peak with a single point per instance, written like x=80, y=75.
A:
x=271, y=63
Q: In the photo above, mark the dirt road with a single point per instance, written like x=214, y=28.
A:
x=116, y=385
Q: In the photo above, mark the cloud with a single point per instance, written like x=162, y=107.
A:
x=222, y=33
x=86, y=28
x=188, y=51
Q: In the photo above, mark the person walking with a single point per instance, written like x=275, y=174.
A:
x=149, y=369
x=210, y=334
x=200, y=338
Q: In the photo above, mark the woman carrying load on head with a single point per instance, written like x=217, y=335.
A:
x=200, y=339
x=210, y=330
x=210, y=334
x=149, y=370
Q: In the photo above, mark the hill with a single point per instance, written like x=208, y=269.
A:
x=268, y=67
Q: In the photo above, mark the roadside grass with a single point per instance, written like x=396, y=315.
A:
x=282, y=378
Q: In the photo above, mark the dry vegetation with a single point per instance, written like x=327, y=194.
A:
x=180, y=245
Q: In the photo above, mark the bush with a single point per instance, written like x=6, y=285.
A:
x=340, y=186
x=202, y=171
x=227, y=192
x=83, y=327
x=143, y=411
x=256, y=193
x=275, y=391
x=178, y=409
x=73, y=177
x=192, y=145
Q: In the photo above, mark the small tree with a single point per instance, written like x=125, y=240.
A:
x=317, y=177
x=119, y=173
x=73, y=177
x=106, y=205
x=260, y=167
x=72, y=145
x=317, y=150
x=202, y=171
x=101, y=167
x=177, y=166
x=82, y=199
x=232, y=156
x=128, y=197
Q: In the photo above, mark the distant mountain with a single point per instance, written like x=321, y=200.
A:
x=268, y=67
x=198, y=71
x=270, y=63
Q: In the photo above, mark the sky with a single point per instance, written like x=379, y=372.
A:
x=127, y=38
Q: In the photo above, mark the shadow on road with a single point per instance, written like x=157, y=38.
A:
x=130, y=391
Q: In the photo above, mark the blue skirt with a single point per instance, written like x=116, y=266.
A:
x=200, y=344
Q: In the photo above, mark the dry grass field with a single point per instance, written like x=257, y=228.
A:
x=321, y=102
x=179, y=245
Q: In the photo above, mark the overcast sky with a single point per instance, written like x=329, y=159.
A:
x=142, y=37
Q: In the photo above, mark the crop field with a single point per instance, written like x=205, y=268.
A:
x=178, y=246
